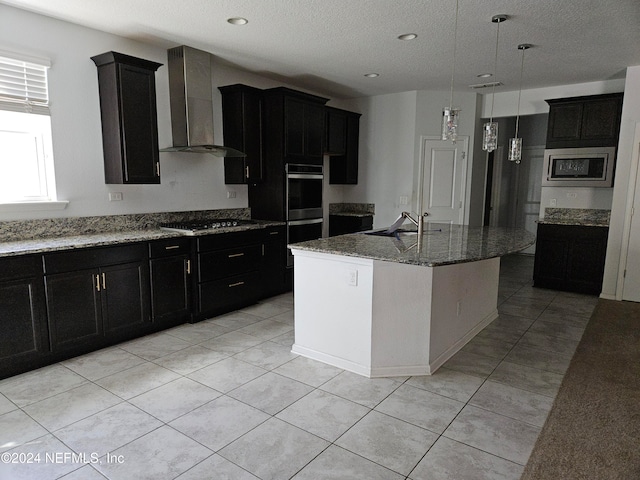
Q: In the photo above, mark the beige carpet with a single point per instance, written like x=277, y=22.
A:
x=593, y=429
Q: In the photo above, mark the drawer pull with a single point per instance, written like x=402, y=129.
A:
x=172, y=247
x=237, y=284
x=233, y=255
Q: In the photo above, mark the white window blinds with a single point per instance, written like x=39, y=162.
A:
x=23, y=85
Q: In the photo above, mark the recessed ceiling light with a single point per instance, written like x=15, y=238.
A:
x=371, y=75
x=407, y=36
x=237, y=21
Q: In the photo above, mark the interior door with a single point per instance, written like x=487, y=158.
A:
x=444, y=179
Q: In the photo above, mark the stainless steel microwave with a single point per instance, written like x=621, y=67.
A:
x=579, y=167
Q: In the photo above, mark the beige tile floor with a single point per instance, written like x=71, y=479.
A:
x=226, y=399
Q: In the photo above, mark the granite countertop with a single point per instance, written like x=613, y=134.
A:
x=443, y=244
x=588, y=217
x=351, y=214
x=70, y=242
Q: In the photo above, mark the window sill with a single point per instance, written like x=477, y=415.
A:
x=32, y=206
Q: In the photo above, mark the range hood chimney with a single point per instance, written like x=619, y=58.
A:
x=190, y=96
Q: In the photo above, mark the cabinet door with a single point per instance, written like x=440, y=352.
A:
x=586, y=257
x=274, y=261
x=336, y=131
x=600, y=121
x=23, y=325
x=125, y=298
x=139, y=125
x=294, y=127
x=242, y=130
x=73, y=307
x=564, y=123
x=170, y=287
x=314, y=132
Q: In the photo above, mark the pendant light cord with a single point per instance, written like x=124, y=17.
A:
x=453, y=66
x=495, y=72
x=520, y=91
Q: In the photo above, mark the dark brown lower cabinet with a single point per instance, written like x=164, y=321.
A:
x=105, y=303
x=570, y=257
x=170, y=266
x=274, y=261
x=23, y=323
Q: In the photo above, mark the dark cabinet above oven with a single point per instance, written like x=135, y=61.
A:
x=590, y=121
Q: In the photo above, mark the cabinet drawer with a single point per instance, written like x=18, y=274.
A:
x=169, y=247
x=229, y=240
x=93, y=257
x=20, y=267
x=233, y=261
x=228, y=292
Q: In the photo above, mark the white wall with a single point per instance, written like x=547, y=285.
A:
x=387, y=151
x=189, y=181
x=622, y=182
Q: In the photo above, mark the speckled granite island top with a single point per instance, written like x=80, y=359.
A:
x=443, y=244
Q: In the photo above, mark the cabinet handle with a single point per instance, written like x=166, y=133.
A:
x=233, y=255
x=157, y=169
x=98, y=283
x=237, y=284
x=263, y=249
x=104, y=281
x=274, y=233
x=246, y=169
x=188, y=267
x=172, y=247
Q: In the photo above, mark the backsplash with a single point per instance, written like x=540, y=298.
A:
x=582, y=216
x=55, y=227
x=363, y=208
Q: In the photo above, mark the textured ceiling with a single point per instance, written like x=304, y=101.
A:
x=328, y=45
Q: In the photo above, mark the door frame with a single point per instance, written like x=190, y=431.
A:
x=465, y=179
x=632, y=191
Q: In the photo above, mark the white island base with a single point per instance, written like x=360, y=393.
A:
x=380, y=318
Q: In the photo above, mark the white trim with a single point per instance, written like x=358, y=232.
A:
x=632, y=190
x=32, y=206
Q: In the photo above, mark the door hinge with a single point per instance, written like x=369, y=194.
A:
x=464, y=155
x=624, y=274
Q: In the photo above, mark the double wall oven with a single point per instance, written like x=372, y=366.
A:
x=304, y=203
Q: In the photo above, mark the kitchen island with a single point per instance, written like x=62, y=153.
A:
x=385, y=306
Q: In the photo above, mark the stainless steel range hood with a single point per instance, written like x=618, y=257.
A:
x=190, y=95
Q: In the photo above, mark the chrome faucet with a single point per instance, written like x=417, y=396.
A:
x=418, y=223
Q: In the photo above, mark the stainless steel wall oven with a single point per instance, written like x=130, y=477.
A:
x=304, y=203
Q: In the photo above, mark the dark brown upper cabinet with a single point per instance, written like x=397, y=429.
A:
x=590, y=121
x=242, y=129
x=342, y=130
x=129, y=118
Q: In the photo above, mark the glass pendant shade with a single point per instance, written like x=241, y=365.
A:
x=450, y=123
x=515, y=150
x=490, y=136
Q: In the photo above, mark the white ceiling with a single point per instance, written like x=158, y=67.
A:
x=328, y=45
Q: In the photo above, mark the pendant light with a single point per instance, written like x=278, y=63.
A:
x=515, y=144
x=490, y=129
x=450, y=114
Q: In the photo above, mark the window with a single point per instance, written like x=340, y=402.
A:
x=26, y=159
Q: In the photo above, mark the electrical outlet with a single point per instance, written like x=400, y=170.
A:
x=231, y=194
x=572, y=195
x=115, y=196
x=553, y=202
x=404, y=200
x=352, y=277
